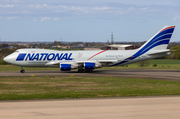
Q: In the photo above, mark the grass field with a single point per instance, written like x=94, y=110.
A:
x=164, y=62
x=56, y=87
x=161, y=64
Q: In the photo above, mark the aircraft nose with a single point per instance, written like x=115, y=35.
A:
x=8, y=59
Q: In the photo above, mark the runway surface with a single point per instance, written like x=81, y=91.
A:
x=108, y=108
x=129, y=73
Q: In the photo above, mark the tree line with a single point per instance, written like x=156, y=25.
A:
x=175, y=53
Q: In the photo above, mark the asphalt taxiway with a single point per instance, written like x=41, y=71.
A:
x=105, y=108
x=129, y=73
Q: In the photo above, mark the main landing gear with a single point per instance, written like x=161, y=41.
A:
x=89, y=70
x=81, y=70
x=85, y=70
x=22, y=70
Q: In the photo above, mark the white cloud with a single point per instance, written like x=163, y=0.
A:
x=67, y=7
x=75, y=8
x=121, y=13
x=36, y=6
x=61, y=6
x=144, y=8
x=9, y=18
x=103, y=8
x=34, y=19
x=6, y=5
x=45, y=18
x=130, y=8
x=56, y=19
x=70, y=10
x=176, y=17
x=45, y=5
x=16, y=1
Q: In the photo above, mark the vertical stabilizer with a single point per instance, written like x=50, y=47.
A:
x=159, y=41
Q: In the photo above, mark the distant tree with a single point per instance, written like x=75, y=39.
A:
x=143, y=63
x=4, y=45
x=56, y=43
x=175, y=53
x=5, y=52
x=98, y=45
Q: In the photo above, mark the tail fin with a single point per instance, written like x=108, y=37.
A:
x=160, y=40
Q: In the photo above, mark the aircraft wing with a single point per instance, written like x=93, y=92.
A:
x=79, y=62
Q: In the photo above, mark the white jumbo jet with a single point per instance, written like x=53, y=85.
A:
x=87, y=61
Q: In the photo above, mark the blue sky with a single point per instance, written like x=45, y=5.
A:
x=87, y=20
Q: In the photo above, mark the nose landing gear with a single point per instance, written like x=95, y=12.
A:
x=22, y=70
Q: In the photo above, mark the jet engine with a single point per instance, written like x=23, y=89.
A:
x=92, y=65
x=68, y=66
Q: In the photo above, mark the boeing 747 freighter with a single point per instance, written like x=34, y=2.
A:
x=87, y=61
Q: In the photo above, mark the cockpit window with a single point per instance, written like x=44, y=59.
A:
x=16, y=51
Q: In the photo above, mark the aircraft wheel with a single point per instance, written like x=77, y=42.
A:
x=80, y=70
x=22, y=71
x=88, y=70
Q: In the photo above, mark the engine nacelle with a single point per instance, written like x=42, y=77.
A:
x=89, y=65
x=68, y=66
x=92, y=65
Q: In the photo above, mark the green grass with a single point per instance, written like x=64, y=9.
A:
x=56, y=87
x=165, y=61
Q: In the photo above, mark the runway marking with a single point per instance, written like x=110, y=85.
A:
x=109, y=76
x=72, y=75
x=32, y=75
x=144, y=76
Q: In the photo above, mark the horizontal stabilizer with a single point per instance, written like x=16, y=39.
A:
x=158, y=53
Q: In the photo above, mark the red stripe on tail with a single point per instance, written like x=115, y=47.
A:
x=168, y=28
